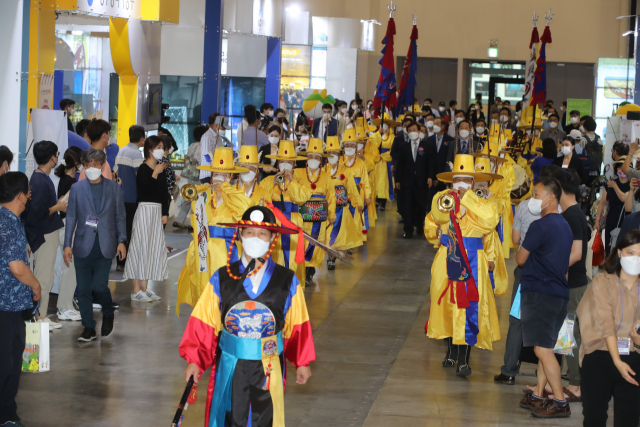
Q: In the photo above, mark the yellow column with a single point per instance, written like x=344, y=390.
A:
x=128, y=87
x=42, y=21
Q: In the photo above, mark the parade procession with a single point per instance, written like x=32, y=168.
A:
x=317, y=227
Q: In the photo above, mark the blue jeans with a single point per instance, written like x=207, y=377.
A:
x=92, y=276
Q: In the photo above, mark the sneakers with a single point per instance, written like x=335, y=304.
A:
x=69, y=315
x=463, y=370
x=331, y=264
x=52, y=325
x=448, y=363
x=107, y=325
x=140, y=297
x=88, y=335
x=504, y=379
x=152, y=295
x=115, y=305
x=176, y=224
x=12, y=424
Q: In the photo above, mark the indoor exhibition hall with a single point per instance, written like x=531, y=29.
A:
x=259, y=213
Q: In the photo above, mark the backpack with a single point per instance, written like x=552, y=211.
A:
x=593, y=150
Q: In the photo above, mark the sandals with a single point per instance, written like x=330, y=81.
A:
x=570, y=396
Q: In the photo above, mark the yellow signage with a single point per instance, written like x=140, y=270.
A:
x=290, y=52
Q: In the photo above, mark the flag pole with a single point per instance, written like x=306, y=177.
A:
x=533, y=120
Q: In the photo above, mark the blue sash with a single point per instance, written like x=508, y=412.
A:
x=472, y=245
x=315, y=232
x=500, y=230
x=232, y=348
x=226, y=234
x=389, y=175
x=366, y=208
x=287, y=210
x=336, y=225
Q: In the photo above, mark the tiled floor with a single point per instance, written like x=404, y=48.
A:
x=375, y=367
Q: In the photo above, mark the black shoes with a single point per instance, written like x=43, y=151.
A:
x=349, y=251
x=463, y=370
x=504, y=379
x=88, y=335
x=420, y=231
x=400, y=220
x=107, y=325
x=448, y=363
x=331, y=264
x=407, y=235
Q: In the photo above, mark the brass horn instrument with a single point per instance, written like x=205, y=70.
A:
x=189, y=192
x=479, y=192
x=446, y=203
x=279, y=179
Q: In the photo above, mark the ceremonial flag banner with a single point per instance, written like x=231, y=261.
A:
x=386, y=89
x=408, y=81
x=531, y=68
x=540, y=83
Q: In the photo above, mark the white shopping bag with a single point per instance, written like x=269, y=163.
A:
x=36, y=356
x=566, y=341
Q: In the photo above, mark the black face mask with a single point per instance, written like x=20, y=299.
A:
x=281, y=119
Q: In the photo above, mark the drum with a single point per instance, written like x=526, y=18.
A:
x=522, y=183
x=342, y=197
x=315, y=210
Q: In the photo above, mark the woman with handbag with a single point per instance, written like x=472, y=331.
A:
x=610, y=351
x=616, y=193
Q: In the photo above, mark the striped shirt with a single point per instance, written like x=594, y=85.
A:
x=127, y=162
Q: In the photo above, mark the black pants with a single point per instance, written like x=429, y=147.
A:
x=600, y=381
x=513, y=345
x=458, y=353
x=92, y=274
x=130, y=210
x=414, y=208
x=12, y=340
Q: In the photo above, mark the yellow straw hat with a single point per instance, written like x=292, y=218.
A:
x=483, y=165
x=223, y=162
x=361, y=135
x=490, y=148
x=333, y=144
x=386, y=119
x=286, y=151
x=314, y=147
x=350, y=136
x=462, y=166
x=360, y=123
x=249, y=156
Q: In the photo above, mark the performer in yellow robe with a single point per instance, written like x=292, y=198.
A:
x=368, y=151
x=293, y=194
x=463, y=308
x=316, y=220
x=344, y=234
x=491, y=242
x=358, y=170
x=383, y=176
x=248, y=181
x=223, y=203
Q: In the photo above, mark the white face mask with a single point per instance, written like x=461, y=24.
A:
x=93, y=173
x=158, y=153
x=573, y=120
x=360, y=147
x=461, y=186
x=270, y=113
x=333, y=159
x=582, y=129
x=437, y=128
x=274, y=140
x=566, y=150
x=494, y=121
x=344, y=111
x=404, y=130
x=464, y=134
x=535, y=205
x=350, y=151
x=504, y=119
x=255, y=247
x=326, y=115
x=80, y=168
x=553, y=125
x=422, y=135
x=285, y=166
x=441, y=108
x=459, y=119
x=414, y=136
x=218, y=178
x=630, y=265
x=170, y=150
x=385, y=127
x=477, y=107
x=430, y=124
x=248, y=176
x=480, y=129
x=313, y=164
x=304, y=138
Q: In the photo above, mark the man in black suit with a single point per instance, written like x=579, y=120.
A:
x=400, y=140
x=413, y=176
x=326, y=125
x=466, y=144
x=438, y=145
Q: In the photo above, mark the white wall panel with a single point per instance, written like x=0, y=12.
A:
x=247, y=56
x=341, y=79
x=182, y=45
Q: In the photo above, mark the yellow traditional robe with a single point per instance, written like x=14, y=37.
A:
x=349, y=235
x=294, y=192
x=256, y=193
x=371, y=159
x=381, y=172
x=446, y=319
x=493, y=251
x=501, y=189
x=359, y=170
x=323, y=186
x=191, y=283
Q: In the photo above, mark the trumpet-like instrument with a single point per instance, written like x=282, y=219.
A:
x=279, y=179
x=479, y=192
x=446, y=203
x=189, y=192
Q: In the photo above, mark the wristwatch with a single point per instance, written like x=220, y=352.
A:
x=636, y=346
